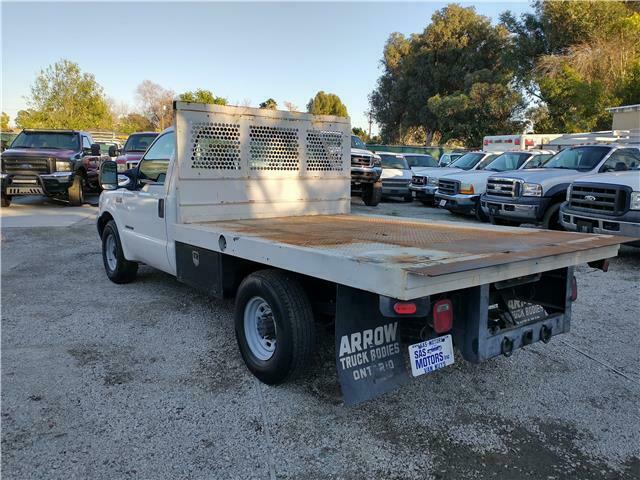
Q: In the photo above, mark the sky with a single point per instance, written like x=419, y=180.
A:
x=241, y=51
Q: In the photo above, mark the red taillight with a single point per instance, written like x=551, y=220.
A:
x=442, y=316
x=529, y=142
x=517, y=142
x=405, y=308
x=574, y=289
x=487, y=142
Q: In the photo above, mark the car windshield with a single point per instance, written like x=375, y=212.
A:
x=578, y=158
x=394, y=161
x=55, y=140
x=357, y=143
x=467, y=161
x=421, y=161
x=508, y=161
x=139, y=143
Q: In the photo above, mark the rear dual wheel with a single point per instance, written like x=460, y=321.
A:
x=274, y=326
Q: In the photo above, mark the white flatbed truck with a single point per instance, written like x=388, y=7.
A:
x=255, y=204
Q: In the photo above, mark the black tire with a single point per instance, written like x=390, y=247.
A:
x=428, y=203
x=6, y=200
x=76, y=191
x=372, y=194
x=480, y=215
x=408, y=198
x=551, y=219
x=294, y=325
x=124, y=271
x=504, y=223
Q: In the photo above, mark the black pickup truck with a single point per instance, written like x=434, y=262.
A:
x=57, y=163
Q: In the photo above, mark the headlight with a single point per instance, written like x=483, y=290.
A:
x=63, y=166
x=121, y=167
x=531, y=190
x=569, y=193
x=635, y=201
x=466, y=189
x=432, y=181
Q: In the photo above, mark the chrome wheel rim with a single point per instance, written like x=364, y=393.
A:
x=110, y=252
x=260, y=328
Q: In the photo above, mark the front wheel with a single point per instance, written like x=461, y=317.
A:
x=372, y=194
x=6, y=200
x=551, y=219
x=76, y=191
x=480, y=215
x=274, y=326
x=118, y=268
x=408, y=198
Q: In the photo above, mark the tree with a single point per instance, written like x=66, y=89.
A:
x=359, y=132
x=4, y=122
x=269, y=104
x=290, y=106
x=134, y=122
x=202, y=96
x=432, y=77
x=156, y=103
x=326, y=104
x=577, y=58
x=62, y=96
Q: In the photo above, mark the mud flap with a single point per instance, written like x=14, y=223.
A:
x=369, y=357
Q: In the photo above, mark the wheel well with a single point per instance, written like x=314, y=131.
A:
x=102, y=222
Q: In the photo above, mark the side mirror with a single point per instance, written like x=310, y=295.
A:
x=113, y=151
x=109, y=175
x=95, y=150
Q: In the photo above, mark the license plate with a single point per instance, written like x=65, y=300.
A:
x=442, y=203
x=431, y=355
x=24, y=191
x=585, y=227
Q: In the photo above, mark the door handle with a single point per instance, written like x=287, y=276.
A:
x=161, y=208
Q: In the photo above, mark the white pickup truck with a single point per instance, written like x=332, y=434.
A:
x=255, y=204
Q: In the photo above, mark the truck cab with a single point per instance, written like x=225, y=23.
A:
x=535, y=195
x=62, y=164
x=606, y=203
x=366, y=170
x=424, y=184
x=460, y=192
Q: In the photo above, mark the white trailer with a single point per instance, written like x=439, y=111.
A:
x=524, y=141
x=255, y=204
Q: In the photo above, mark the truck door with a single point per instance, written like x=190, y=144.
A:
x=144, y=226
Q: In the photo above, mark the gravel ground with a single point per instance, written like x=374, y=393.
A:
x=145, y=381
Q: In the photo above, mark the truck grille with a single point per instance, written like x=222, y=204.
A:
x=17, y=164
x=418, y=180
x=361, y=161
x=600, y=198
x=448, y=187
x=502, y=187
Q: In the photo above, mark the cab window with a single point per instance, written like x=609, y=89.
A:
x=622, y=160
x=153, y=166
x=85, y=142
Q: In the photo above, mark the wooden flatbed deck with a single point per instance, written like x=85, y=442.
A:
x=398, y=257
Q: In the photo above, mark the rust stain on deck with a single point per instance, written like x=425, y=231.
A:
x=494, y=245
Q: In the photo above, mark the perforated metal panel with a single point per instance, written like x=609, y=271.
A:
x=324, y=150
x=236, y=162
x=273, y=148
x=215, y=146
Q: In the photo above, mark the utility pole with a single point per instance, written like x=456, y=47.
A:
x=368, y=113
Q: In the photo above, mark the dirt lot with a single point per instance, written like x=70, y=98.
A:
x=145, y=381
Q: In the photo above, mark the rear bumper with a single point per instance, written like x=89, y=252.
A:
x=458, y=203
x=522, y=209
x=627, y=225
x=50, y=183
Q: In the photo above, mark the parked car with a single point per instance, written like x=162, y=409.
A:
x=425, y=184
x=133, y=149
x=365, y=173
x=396, y=176
x=419, y=161
x=535, y=195
x=605, y=203
x=460, y=192
x=447, y=158
x=57, y=163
